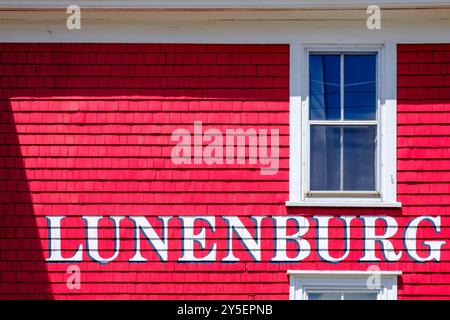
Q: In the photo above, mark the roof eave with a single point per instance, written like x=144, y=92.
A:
x=218, y=4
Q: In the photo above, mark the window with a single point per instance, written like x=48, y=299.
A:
x=343, y=123
x=343, y=285
x=341, y=295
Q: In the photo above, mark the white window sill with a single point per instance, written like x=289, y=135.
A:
x=362, y=204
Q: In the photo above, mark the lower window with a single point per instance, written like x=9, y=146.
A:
x=343, y=285
x=342, y=295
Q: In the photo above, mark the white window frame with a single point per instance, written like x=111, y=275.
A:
x=386, y=195
x=301, y=282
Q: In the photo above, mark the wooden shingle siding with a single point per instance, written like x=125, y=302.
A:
x=85, y=129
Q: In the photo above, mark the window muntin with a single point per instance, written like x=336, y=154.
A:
x=343, y=122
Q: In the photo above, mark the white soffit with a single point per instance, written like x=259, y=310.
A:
x=232, y=21
x=218, y=4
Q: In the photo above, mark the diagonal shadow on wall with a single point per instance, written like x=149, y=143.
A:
x=23, y=272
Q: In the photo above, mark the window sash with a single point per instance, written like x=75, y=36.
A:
x=343, y=292
x=343, y=123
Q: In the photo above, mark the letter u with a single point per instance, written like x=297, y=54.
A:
x=323, y=237
x=92, y=237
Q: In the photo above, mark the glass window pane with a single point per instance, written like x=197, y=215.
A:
x=324, y=87
x=359, y=158
x=324, y=296
x=360, y=296
x=359, y=87
x=325, y=158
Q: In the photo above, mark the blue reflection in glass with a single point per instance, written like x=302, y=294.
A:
x=360, y=295
x=359, y=158
x=359, y=87
x=324, y=87
x=324, y=296
x=325, y=158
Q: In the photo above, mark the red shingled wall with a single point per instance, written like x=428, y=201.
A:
x=423, y=156
x=85, y=130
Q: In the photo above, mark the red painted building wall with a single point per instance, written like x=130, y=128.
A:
x=85, y=129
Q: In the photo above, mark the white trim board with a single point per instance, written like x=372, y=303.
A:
x=420, y=26
x=331, y=273
x=299, y=166
x=342, y=204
